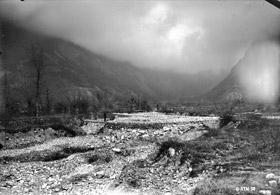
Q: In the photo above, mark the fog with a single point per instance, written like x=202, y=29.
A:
x=184, y=36
x=260, y=76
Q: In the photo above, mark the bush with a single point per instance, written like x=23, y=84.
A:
x=226, y=118
x=60, y=107
x=166, y=145
x=100, y=159
x=194, y=152
x=212, y=133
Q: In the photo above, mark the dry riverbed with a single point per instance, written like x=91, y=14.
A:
x=144, y=153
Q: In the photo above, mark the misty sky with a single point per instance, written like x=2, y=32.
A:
x=185, y=36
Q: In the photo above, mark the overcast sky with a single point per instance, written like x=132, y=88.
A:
x=186, y=36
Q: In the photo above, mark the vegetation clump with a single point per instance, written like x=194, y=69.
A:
x=226, y=118
x=99, y=159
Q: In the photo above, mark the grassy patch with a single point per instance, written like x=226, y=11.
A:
x=246, y=151
x=226, y=185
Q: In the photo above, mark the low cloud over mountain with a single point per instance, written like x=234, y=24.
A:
x=183, y=36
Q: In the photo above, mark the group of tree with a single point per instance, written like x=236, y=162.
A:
x=136, y=104
x=28, y=92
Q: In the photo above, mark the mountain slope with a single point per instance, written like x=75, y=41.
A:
x=71, y=69
x=255, y=77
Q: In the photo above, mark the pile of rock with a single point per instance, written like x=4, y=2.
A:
x=92, y=128
x=168, y=131
x=273, y=182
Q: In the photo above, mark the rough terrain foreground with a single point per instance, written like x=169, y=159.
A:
x=116, y=159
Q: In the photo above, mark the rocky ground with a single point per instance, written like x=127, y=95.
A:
x=107, y=160
x=144, y=153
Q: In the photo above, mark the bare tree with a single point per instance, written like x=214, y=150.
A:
x=37, y=60
x=4, y=105
x=132, y=102
x=48, y=101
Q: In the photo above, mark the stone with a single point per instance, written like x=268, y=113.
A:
x=51, y=179
x=117, y=150
x=65, y=186
x=270, y=176
x=26, y=190
x=100, y=174
x=265, y=192
x=118, y=135
x=56, y=189
x=273, y=183
x=145, y=136
x=171, y=152
x=166, y=128
x=44, y=185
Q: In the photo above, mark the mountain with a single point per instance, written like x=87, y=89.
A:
x=229, y=89
x=70, y=69
x=255, y=77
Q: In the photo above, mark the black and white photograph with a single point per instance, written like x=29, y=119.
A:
x=140, y=97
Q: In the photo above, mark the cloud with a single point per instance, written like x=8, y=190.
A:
x=185, y=36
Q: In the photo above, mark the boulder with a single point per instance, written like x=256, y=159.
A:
x=272, y=183
x=92, y=128
x=100, y=174
x=117, y=150
x=166, y=128
x=270, y=176
x=65, y=186
x=171, y=152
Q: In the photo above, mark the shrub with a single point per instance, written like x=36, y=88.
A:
x=166, y=145
x=100, y=159
x=226, y=118
x=212, y=133
x=60, y=107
